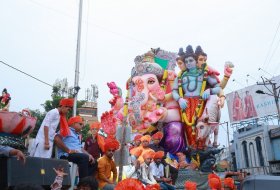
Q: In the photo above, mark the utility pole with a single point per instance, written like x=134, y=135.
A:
x=227, y=134
x=226, y=122
x=273, y=93
x=229, y=158
x=77, y=72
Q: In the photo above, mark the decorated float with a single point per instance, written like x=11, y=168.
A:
x=184, y=106
x=15, y=127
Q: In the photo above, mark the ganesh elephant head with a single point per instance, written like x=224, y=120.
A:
x=146, y=92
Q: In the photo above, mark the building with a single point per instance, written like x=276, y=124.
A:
x=254, y=147
x=252, y=112
x=88, y=112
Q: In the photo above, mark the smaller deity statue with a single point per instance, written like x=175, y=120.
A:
x=5, y=100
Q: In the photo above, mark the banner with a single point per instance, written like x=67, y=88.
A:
x=246, y=104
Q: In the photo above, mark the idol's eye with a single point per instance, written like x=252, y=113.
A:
x=202, y=127
x=132, y=84
x=151, y=81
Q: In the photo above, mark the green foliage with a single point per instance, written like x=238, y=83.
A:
x=40, y=117
x=85, y=132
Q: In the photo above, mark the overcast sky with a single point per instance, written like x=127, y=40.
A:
x=39, y=37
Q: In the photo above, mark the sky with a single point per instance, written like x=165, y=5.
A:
x=39, y=37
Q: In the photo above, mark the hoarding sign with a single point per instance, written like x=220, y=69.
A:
x=246, y=104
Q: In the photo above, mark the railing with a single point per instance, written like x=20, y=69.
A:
x=275, y=167
x=272, y=169
x=258, y=170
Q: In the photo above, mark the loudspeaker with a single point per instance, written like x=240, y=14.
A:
x=37, y=171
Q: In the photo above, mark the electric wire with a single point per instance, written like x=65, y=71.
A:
x=272, y=42
x=95, y=25
x=26, y=74
x=275, y=49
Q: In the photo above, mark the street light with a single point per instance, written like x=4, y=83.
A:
x=260, y=92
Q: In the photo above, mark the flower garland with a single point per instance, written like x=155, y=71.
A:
x=163, y=84
x=163, y=81
x=125, y=107
x=198, y=109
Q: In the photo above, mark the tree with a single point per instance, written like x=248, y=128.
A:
x=40, y=116
x=85, y=132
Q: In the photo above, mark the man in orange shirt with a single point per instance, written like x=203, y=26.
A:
x=106, y=165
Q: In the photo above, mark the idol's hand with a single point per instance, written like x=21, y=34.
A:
x=221, y=101
x=183, y=103
x=206, y=94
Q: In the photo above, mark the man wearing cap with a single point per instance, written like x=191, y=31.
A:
x=136, y=141
x=43, y=143
x=145, y=141
x=133, y=169
x=158, y=172
x=156, y=138
x=94, y=143
x=147, y=177
x=106, y=165
x=156, y=147
x=70, y=147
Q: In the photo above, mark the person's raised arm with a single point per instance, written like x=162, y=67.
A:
x=57, y=184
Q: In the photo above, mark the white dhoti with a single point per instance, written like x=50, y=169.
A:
x=38, y=149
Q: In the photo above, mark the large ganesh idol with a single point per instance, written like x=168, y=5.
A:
x=151, y=104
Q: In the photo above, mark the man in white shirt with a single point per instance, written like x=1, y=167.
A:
x=43, y=143
x=133, y=169
x=158, y=172
x=147, y=177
